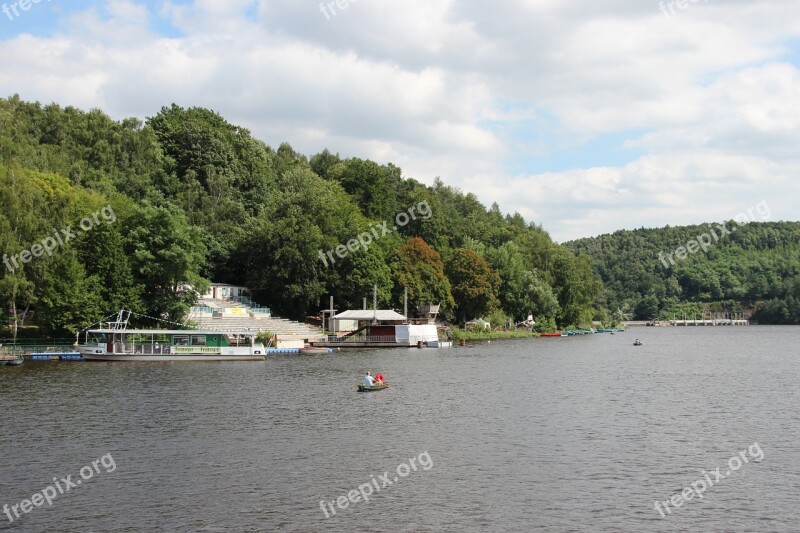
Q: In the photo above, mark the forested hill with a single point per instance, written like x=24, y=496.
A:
x=101, y=214
x=646, y=274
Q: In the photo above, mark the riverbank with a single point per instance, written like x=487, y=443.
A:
x=459, y=335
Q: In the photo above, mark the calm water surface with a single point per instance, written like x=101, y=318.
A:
x=565, y=434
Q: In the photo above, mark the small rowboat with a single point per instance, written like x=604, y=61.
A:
x=550, y=334
x=364, y=388
x=312, y=351
x=11, y=362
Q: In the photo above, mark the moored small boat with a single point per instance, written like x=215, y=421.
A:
x=11, y=360
x=311, y=350
x=556, y=334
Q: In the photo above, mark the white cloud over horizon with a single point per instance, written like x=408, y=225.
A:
x=585, y=120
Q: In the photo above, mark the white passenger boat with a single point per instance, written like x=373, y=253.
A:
x=115, y=341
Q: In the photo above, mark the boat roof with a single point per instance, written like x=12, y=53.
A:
x=370, y=314
x=178, y=331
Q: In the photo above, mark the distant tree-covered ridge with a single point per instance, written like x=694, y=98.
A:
x=751, y=267
x=199, y=199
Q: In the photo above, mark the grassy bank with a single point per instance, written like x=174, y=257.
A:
x=459, y=334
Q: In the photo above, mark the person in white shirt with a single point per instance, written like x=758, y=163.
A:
x=369, y=381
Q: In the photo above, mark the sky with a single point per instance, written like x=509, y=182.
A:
x=583, y=117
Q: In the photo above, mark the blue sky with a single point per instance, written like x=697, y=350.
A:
x=584, y=118
x=48, y=17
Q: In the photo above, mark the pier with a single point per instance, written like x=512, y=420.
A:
x=725, y=318
x=711, y=322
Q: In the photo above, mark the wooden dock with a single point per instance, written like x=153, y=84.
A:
x=711, y=322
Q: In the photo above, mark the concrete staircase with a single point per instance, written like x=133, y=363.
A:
x=228, y=315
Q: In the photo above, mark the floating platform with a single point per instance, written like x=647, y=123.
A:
x=274, y=351
x=55, y=356
x=43, y=357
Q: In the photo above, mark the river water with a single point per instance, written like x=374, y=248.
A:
x=562, y=434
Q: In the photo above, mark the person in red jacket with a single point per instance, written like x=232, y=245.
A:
x=379, y=379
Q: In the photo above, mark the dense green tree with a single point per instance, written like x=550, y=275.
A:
x=66, y=297
x=167, y=255
x=370, y=185
x=290, y=252
x=420, y=269
x=323, y=161
x=102, y=252
x=17, y=294
x=473, y=284
x=537, y=297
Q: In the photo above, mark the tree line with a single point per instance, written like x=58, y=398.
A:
x=198, y=199
x=752, y=269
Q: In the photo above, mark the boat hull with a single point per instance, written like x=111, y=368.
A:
x=312, y=351
x=374, y=388
x=439, y=344
x=170, y=358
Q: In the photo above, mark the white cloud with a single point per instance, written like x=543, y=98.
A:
x=705, y=99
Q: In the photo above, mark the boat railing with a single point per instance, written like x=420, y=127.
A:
x=371, y=338
x=25, y=349
x=142, y=348
x=377, y=339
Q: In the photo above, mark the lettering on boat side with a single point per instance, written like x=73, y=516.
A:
x=59, y=486
x=699, y=486
x=365, y=490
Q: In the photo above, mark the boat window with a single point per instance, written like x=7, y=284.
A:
x=198, y=340
x=181, y=340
